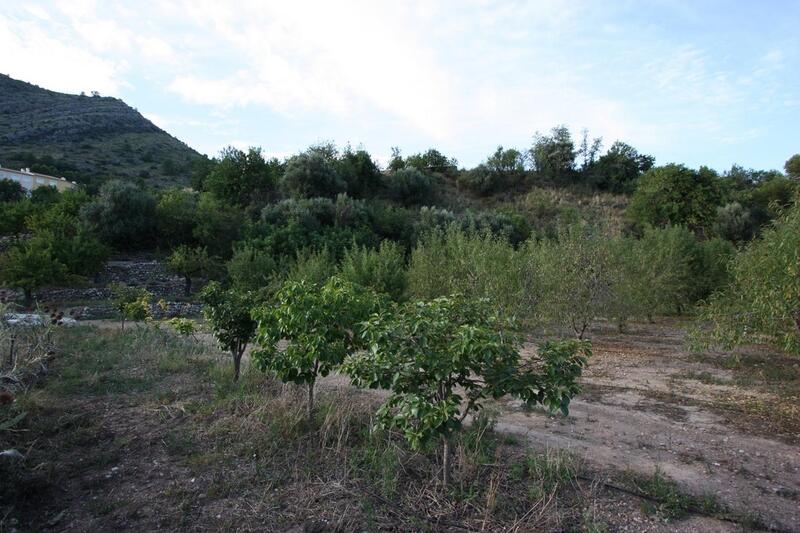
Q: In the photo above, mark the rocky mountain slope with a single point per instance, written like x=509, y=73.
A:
x=86, y=138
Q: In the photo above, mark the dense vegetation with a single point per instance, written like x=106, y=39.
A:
x=530, y=229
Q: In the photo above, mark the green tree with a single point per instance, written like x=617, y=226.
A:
x=359, y=172
x=792, y=166
x=176, y=216
x=554, y=155
x=433, y=160
x=191, y=262
x=251, y=268
x=734, y=223
x=132, y=303
x=475, y=264
x=218, y=226
x=676, y=195
x=573, y=278
x=243, y=178
x=228, y=313
x=11, y=191
x=320, y=324
x=30, y=266
x=442, y=359
x=122, y=215
x=311, y=174
x=382, y=270
x=409, y=186
x=618, y=169
x=762, y=302
x=503, y=170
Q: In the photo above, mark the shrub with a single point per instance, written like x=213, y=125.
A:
x=475, y=264
x=382, y=270
x=251, y=268
x=123, y=216
x=409, y=186
x=228, y=313
x=311, y=175
x=320, y=323
x=427, y=353
x=761, y=302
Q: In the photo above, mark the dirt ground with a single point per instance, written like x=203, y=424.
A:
x=649, y=404
x=718, y=425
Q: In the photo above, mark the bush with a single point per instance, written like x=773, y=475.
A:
x=123, y=216
x=382, y=270
x=475, y=264
x=176, y=216
x=409, y=186
x=11, y=191
x=676, y=195
x=218, y=225
x=761, y=302
x=251, y=268
x=311, y=175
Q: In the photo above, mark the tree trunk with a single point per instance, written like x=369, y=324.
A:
x=11, y=352
x=311, y=400
x=237, y=363
x=28, y=293
x=446, y=461
x=187, y=287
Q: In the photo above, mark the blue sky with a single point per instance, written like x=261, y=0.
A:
x=697, y=82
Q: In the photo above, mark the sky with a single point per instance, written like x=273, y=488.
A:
x=699, y=82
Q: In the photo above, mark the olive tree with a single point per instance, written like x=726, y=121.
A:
x=30, y=266
x=319, y=322
x=228, y=312
x=442, y=359
x=761, y=303
x=573, y=278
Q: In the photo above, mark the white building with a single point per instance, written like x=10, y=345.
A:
x=31, y=180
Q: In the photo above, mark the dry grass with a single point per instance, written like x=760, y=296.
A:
x=145, y=429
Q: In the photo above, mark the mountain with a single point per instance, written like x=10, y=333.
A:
x=88, y=139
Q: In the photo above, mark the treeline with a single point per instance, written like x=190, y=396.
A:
x=420, y=227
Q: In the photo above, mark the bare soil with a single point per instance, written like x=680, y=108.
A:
x=649, y=404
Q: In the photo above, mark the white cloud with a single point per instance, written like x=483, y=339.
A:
x=32, y=54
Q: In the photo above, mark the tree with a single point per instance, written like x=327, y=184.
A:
x=502, y=170
x=132, y=303
x=242, y=178
x=122, y=215
x=792, y=166
x=554, y=155
x=442, y=359
x=360, y=173
x=191, y=262
x=472, y=263
x=573, y=277
x=228, y=313
x=432, y=161
x=320, y=323
x=11, y=191
x=311, y=174
x=218, y=225
x=762, y=301
x=176, y=216
x=409, y=186
x=251, y=268
x=734, y=223
x=618, y=169
x=382, y=270
x=676, y=195
x=30, y=266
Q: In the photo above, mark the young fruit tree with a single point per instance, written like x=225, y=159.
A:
x=319, y=322
x=132, y=303
x=228, y=312
x=442, y=359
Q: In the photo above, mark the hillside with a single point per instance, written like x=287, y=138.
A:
x=85, y=138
